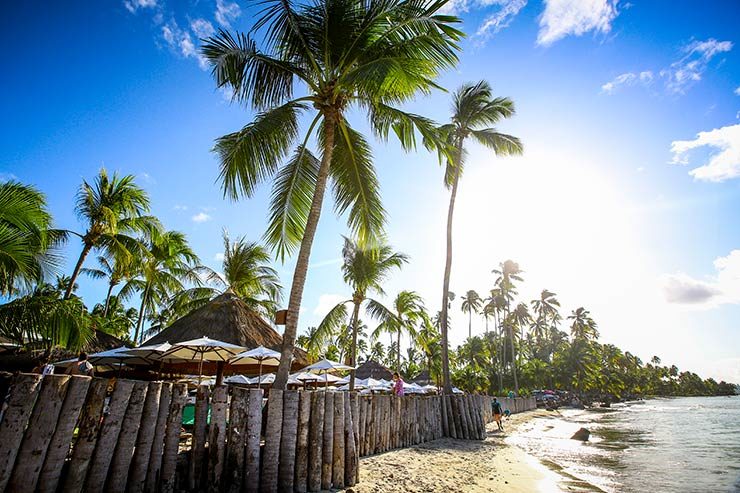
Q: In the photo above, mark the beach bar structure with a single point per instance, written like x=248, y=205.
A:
x=294, y=440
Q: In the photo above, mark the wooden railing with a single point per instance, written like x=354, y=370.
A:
x=128, y=435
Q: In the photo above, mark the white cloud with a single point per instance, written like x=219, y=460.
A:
x=724, y=161
x=134, y=5
x=562, y=18
x=721, y=288
x=226, y=12
x=688, y=70
x=202, y=28
x=219, y=257
x=181, y=42
x=327, y=302
x=201, y=217
x=179, y=207
x=501, y=18
x=737, y=91
x=628, y=79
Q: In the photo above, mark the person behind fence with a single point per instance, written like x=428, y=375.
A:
x=81, y=367
x=497, y=412
x=397, y=384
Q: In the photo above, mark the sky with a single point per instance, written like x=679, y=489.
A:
x=625, y=201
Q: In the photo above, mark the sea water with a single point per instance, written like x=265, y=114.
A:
x=686, y=444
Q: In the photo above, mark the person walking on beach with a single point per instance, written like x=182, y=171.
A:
x=82, y=367
x=397, y=384
x=497, y=412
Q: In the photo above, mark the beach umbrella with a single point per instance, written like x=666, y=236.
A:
x=327, y=365
x=259, y=355
x=151, y=352
x=203, y=349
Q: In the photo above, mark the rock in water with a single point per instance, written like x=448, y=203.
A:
x=581, y=435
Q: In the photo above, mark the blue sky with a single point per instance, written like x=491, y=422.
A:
x=625, y=201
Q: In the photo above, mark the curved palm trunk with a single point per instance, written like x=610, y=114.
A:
x=111, y=285
x=142, y=308
x=76, y=272
x=353, y=362
x=301, y=266
x=398, y=355
x=446, y=385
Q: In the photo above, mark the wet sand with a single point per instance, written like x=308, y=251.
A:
x=452, y=466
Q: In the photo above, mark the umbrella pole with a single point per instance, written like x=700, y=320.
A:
x=259, y=378
x=200, y=369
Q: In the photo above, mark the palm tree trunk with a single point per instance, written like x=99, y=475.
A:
x=353, y=362
x=301, y=266
x=140, y=320
x=76, y=272
x=111, y=285
x=398, y=355
x=446, y=385
x=513, y=361
x=470, y=324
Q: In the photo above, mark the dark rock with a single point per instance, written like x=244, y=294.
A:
x=581, y=435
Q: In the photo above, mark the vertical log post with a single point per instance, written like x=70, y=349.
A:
x=124, y=448
x=236, y=443
x=337, y=475
x=328, y=439
x=288, y=439
x=217, y=437
x=302, y=445
x=254, y=431
x=273, y=432
x=155, y=455
x=350, y=443
x=145, y=439
x=198, y=449
x=172, y=437
x=316, y=437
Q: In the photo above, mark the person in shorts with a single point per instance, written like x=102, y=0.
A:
x=497, y=413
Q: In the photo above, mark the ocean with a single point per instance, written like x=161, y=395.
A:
x=685, y=444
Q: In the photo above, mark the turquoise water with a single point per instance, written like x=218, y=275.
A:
x=658, y=445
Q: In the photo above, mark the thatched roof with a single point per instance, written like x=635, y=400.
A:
x=373, y=369
x=226, y=318
x=423, y=378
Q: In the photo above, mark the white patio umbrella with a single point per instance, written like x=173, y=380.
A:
x=151, y=352
x=327, y=365
x=203, y=349
x=259, y=355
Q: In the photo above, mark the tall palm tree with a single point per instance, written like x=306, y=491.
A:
x=474, y=109
x=344, y=54
x=521, y=318
x=115, y=269
x=112, y=208
x=365, y=269
x=246, y=271
x=406, y=312
x=509, y=272
x=546, y=306
x=583, y=327
x=26, y=238
x=169, y=263
x=471, y=304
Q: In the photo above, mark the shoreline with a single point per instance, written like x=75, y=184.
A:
x=449, y=465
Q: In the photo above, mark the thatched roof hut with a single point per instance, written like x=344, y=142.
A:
x=424, y=378
x=227, y=318
x=373, y=369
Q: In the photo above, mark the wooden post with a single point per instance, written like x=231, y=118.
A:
x=155, y=455
x=124, y=449
x=328, y=438
x=198, y=449
x=237, y=440
x=370, y=425
x=87, y=436
x=145, y=439
x=59, y=446
x=350, y=443
x=354, y=404
x=301, y=454
x=273, y=432
x=112, y=423
x=172, y=437
x=41, y=425
x=338, y=451
x=217, y=437
x=254, y=432
x=316, y=440
x=23, y=394
x=288, y=439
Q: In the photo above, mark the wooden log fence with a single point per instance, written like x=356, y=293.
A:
x=128, y=435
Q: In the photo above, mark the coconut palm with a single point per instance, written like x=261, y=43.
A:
x=583, y=327
x=471, y=304
x=26, y=238
x=112, y=208
x=406, y=312
x=169, y=264
x=474, y=109
x=365, y=269
x=246, y=271
x=343, y=54
x=114, y=268
x=508, y=272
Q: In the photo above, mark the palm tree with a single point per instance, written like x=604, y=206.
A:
x=115, y=268
x=112, y=208
x=546, y=306
x=407, y=311
x=471, y=304
x=26, y=237
x=245, y=271
x=583, y=326
x=365, y=269
x=521, y=318
x=366, y=55
x=169, y=263
x=508, y=272
x=474, y=109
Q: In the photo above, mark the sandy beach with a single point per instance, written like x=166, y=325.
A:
x=449, y=465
